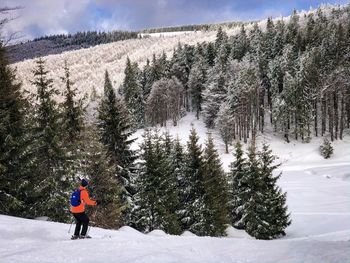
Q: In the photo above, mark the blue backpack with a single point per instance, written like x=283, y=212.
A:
x=75, y=198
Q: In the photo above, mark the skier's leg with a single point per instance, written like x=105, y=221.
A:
x=85, y=220
x=78, y=222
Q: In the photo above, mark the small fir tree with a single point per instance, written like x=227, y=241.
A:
x=326, y=149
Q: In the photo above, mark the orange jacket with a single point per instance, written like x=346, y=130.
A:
x=85, y=199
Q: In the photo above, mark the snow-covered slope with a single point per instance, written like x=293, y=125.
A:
x=318, y=199
x=320, y=232
x=87, y=66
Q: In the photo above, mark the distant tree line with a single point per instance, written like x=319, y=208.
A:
x=200, y=27
x=55, y=44
x=89, y=38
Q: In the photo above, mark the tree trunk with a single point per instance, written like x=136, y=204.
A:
x=323, y=115
x=348, y=114
x=336, y=120
x=341, y=118
x=316, y=118
x=330, y=120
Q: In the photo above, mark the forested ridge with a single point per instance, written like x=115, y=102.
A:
x=293, y=75
x=56, y=44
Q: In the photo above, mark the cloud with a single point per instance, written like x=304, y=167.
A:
x=43, y=17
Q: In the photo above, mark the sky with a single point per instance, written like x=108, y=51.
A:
x=44, y=17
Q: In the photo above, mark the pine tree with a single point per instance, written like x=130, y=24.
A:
x=157, y=197
x=266, y=211
x=170, y=186
x=225, y=123
x=221, y=39
x=239, y=186
x=177, y=162
x=240, y=44
x=73, y=123
x=181, y=62
x=73, y=109
x=210, y=54
x=193, y=219
x=15, y=174
x=196, y=83
x=216, y=192
x=216, y=90
x=252, y=195
x=106, y=188
x=115, y=130
x=326, y=149
x=133, y=94
x=53, y=183
x=146, y=80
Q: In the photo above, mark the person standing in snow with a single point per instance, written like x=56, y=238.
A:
x=79, y=211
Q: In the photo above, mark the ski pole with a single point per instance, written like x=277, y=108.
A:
x=70, y=226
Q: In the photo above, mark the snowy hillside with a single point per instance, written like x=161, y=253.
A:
x=87, y=66
x=318, y=199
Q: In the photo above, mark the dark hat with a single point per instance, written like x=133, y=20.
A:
x=84, y=182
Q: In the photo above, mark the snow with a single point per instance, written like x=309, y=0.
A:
x=167, y=34
x=157, y=233
x=318, y=197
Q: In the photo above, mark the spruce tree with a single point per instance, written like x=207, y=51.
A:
x=240, y=44
x=133, y=94
x=252, y=194
x=157, y=198
x=72, y=122
x=326, y=149
x=53, y=182
x=115, y=130
x=238, y=187
x=216, y=90
x=169, y=188
x=193, y=219
x=73, y=109
x=146, y=80
x=15, y=174
x=266, y=214
x=225, y=124
x=177, y=163
x=106, y=188
x=196, y=83
x=216, y=192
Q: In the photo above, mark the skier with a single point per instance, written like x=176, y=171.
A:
x=79, y=211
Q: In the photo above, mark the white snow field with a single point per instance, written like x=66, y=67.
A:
x=318, y=199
